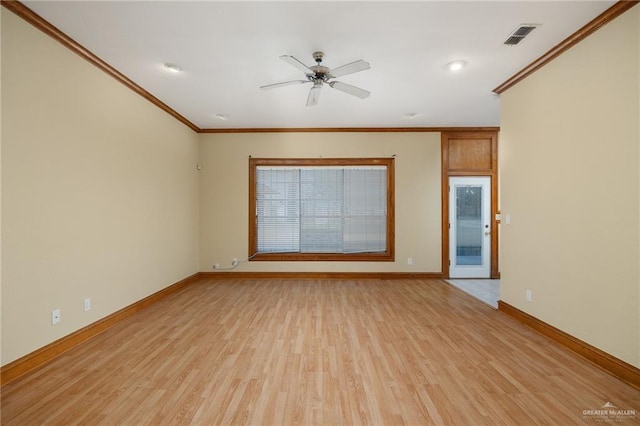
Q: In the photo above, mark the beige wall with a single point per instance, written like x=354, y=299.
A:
x=99, y=188
x=570, y=136
x=101, y=197
x=224, y=194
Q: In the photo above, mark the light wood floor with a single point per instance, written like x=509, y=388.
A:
x=284, y=352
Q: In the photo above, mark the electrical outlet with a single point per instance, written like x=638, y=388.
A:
x=87, y=304
x=55, y=316
x=216, y=266
x=529, y=296
x=410, y=261
x=234, y=262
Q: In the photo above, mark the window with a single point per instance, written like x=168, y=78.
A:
x=321, y=209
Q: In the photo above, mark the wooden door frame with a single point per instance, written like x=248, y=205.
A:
x=492, y=173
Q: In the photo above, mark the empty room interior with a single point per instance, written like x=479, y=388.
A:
x=276, y=213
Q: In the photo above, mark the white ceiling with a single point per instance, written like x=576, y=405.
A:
x=228, y=49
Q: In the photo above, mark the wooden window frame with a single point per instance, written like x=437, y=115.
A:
x=386, y=256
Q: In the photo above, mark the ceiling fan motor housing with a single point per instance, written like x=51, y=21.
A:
x=320, y=72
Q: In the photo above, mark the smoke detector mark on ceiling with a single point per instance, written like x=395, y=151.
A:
x=520, y=33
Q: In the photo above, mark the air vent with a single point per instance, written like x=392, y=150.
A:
x=520, y=33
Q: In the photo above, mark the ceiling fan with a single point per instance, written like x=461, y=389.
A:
x=319, y=75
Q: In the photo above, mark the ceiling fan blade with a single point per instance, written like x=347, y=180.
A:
x=352, y=90
x=284, y=83
x=296, y=63
x=314, y=95
x=350, y=68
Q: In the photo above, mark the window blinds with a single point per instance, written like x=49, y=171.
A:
x=317, y=209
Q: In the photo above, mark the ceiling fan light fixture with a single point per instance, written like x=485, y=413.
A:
x=319, y=74
x=173, y=67
x=456, y=65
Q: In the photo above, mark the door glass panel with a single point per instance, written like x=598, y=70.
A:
x=469, y=225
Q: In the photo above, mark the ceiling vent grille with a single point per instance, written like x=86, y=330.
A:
x=520, y=33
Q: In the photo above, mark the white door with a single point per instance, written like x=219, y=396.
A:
x=470, y=227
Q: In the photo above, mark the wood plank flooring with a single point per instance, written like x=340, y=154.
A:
x=286, y=352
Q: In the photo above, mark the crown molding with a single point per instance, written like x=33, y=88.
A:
x=604, y=18
x=52, y=31
x=46, y=27
x=352, y=129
